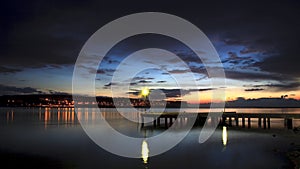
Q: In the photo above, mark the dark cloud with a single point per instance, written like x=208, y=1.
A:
x=286, y=64
x=205, y=89
x=7, y=90
x=240, y=74
x=182, y=92
x=51, y=32
x=254, y=89
x=161, y=81
x=110, y=60
x=4, y=69
x=42, y=34
x=109, y=84
x=237, y=62
x=105, y=71
x=133, y=83
x=134, y=92
x=144, y=81
x=244, y=75
x=283, y=86
x=188, y=56
x=179, y=71
x=100, y=71
x=248, y=50
x=142, y=78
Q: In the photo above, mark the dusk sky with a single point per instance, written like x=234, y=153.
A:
x=258, y=44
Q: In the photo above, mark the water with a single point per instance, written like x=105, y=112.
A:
x=55, y=137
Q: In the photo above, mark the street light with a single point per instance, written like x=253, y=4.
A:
x=145, y=92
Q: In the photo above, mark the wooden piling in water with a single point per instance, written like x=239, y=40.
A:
x=264, y=123
x=166, y=122
x=263, y=119
x=236, y=121
x=171, y=122
x=290, y=123
x=224, y=120
x=249, y=122
x=230, y=121
x=243, y=122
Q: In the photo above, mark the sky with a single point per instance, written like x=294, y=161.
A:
x=258, y=43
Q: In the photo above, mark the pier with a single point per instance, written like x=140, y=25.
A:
x=227, y=118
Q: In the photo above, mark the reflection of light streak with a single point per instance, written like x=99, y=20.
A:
x=86, y=116
x=224, y=136
x=12, y=115
x=73, y=116
x=58, y=115
x=79, y=115
x=47, y=117
x=145, y=152
x=66, y=116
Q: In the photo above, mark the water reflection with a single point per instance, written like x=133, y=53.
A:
x=68, y=117
x=224, y=136
x=145, y=152
x=57, y=116
x=10, y=116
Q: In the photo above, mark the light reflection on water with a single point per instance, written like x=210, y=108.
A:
x=67, y=116
x=145, y=152
x=63, y=128
x=224, y=136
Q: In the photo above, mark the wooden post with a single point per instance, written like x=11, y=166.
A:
x=154, y=122
x=230, y=121
x=243, y=122
x=259, y=122
x=224, y=120
x=289, y=123
x=171, y=122
x=265, y=123
x=236, y=121
x=142, y=121
x=158, y=121
x=197, y=122
x=269, y=122
x=249, y=122
x=166, y=122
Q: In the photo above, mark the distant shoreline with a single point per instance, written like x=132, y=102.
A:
x=201, y=107
x=109, y=102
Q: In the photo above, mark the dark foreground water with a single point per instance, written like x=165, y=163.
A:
x=53, y=138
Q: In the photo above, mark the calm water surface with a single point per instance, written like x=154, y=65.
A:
x=55, y=133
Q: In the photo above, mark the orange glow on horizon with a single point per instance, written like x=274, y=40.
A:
x=231, y=93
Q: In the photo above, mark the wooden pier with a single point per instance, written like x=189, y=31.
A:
x=227, y=118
